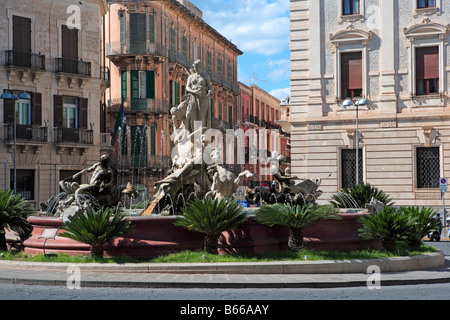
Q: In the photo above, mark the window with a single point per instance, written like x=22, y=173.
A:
x=142, y=84
x=426, y=4
x=185, y=46
x=22, y=41
x=348, y=167
x=173, y=40
x=124, y=84
x=351, y=7
x=427, y=70
x=138, y=31
x=70, y=112
x=69, y=50
x=123, y=28
x=428, y=167
x=175, y=93
x=219, y=66
x=23, y=112
x=24, y=183
x=351, y=75
x=209, y=60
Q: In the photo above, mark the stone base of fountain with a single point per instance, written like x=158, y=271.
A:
x=156, y=235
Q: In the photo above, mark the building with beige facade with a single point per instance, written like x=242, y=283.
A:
x=53, y=52
x=393, y=53
x=151, y=46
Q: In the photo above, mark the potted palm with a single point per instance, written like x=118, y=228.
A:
x=96, y=228
x=14, y=211
x=211, y=217
x=296, y=218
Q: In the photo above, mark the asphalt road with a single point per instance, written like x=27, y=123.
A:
x=429, y=292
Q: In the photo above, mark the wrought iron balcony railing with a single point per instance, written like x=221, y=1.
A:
x=78, y=67
x=26, y=133
x=27, y=60
x=74, y=135
x=135, y=48
x=155, y=106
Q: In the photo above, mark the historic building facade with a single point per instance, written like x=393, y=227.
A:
x=151, y=46
x=261, y=114
x=393, y=53
x=53, y=53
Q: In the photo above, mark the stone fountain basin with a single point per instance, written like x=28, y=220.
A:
x=156, y=235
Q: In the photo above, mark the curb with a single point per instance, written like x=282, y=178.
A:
x=396, y=264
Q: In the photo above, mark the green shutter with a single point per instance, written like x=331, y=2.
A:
x=134, y=84
x=230, y=114
x=153, y=140
x=152, y=28
x=150, y=84
x=220, y=110
x=124, y=84
x=123, y=28
x=177, y=94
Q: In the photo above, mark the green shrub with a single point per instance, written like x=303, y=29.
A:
x=361, y=194
x=296, y=218
x=421, y=224
x=389, y=226
x=211, y=217
x=14, y=211
x=97, y=228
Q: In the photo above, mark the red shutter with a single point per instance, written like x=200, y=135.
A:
x=37, y=109
x=82, y=117
x=58, y=111
x=351, y=70
x=427, y=63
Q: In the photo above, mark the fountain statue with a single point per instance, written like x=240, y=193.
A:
x=99, y=192
x=197, y=170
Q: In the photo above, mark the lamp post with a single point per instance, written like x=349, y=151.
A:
x=11, y=96
x=351, y=103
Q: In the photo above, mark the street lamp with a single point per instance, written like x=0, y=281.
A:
x=353, y=103
x=11, y=96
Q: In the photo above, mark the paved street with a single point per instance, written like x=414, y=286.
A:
x=407, y=292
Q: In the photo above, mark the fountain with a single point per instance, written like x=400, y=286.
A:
x=197, y=172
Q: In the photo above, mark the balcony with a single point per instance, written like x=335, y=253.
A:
x=220, y=124
x=117, y=49
x=75, y=67
x=25, y=60
x=26, y=136
x=74, y=136
x=139, y=105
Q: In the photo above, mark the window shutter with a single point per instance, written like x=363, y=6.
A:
x=58, y=111
x=153, y=140
x=124, y=84
x=152, y=28
x=427, y=63
x=69, y=43
x=8, y=107
x=177, y=94
x=150, y=84
x=83, y=113
x=134, y=84
x=351, y=70
x=21, y=34
x=36, y=112
x=123, y=28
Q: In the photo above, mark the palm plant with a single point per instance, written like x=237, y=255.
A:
x=361, y=193
x=296, y=218
x=96, y=228
x=14, y=211
x=422, y=223
x=211, y=217
x=388, y=226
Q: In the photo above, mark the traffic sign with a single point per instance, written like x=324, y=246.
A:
x=443, y=184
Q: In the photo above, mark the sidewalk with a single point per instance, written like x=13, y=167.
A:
x=303, y=274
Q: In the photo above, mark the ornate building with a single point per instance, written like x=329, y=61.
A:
x=151, y=46
x=261, y=114
x=53, y=53
x=394, y=54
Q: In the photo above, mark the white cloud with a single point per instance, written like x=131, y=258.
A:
x=281, y=94
x=255, y=26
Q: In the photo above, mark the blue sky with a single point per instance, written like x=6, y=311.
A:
x=260, y=28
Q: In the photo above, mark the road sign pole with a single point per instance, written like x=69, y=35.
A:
x=443, y=185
